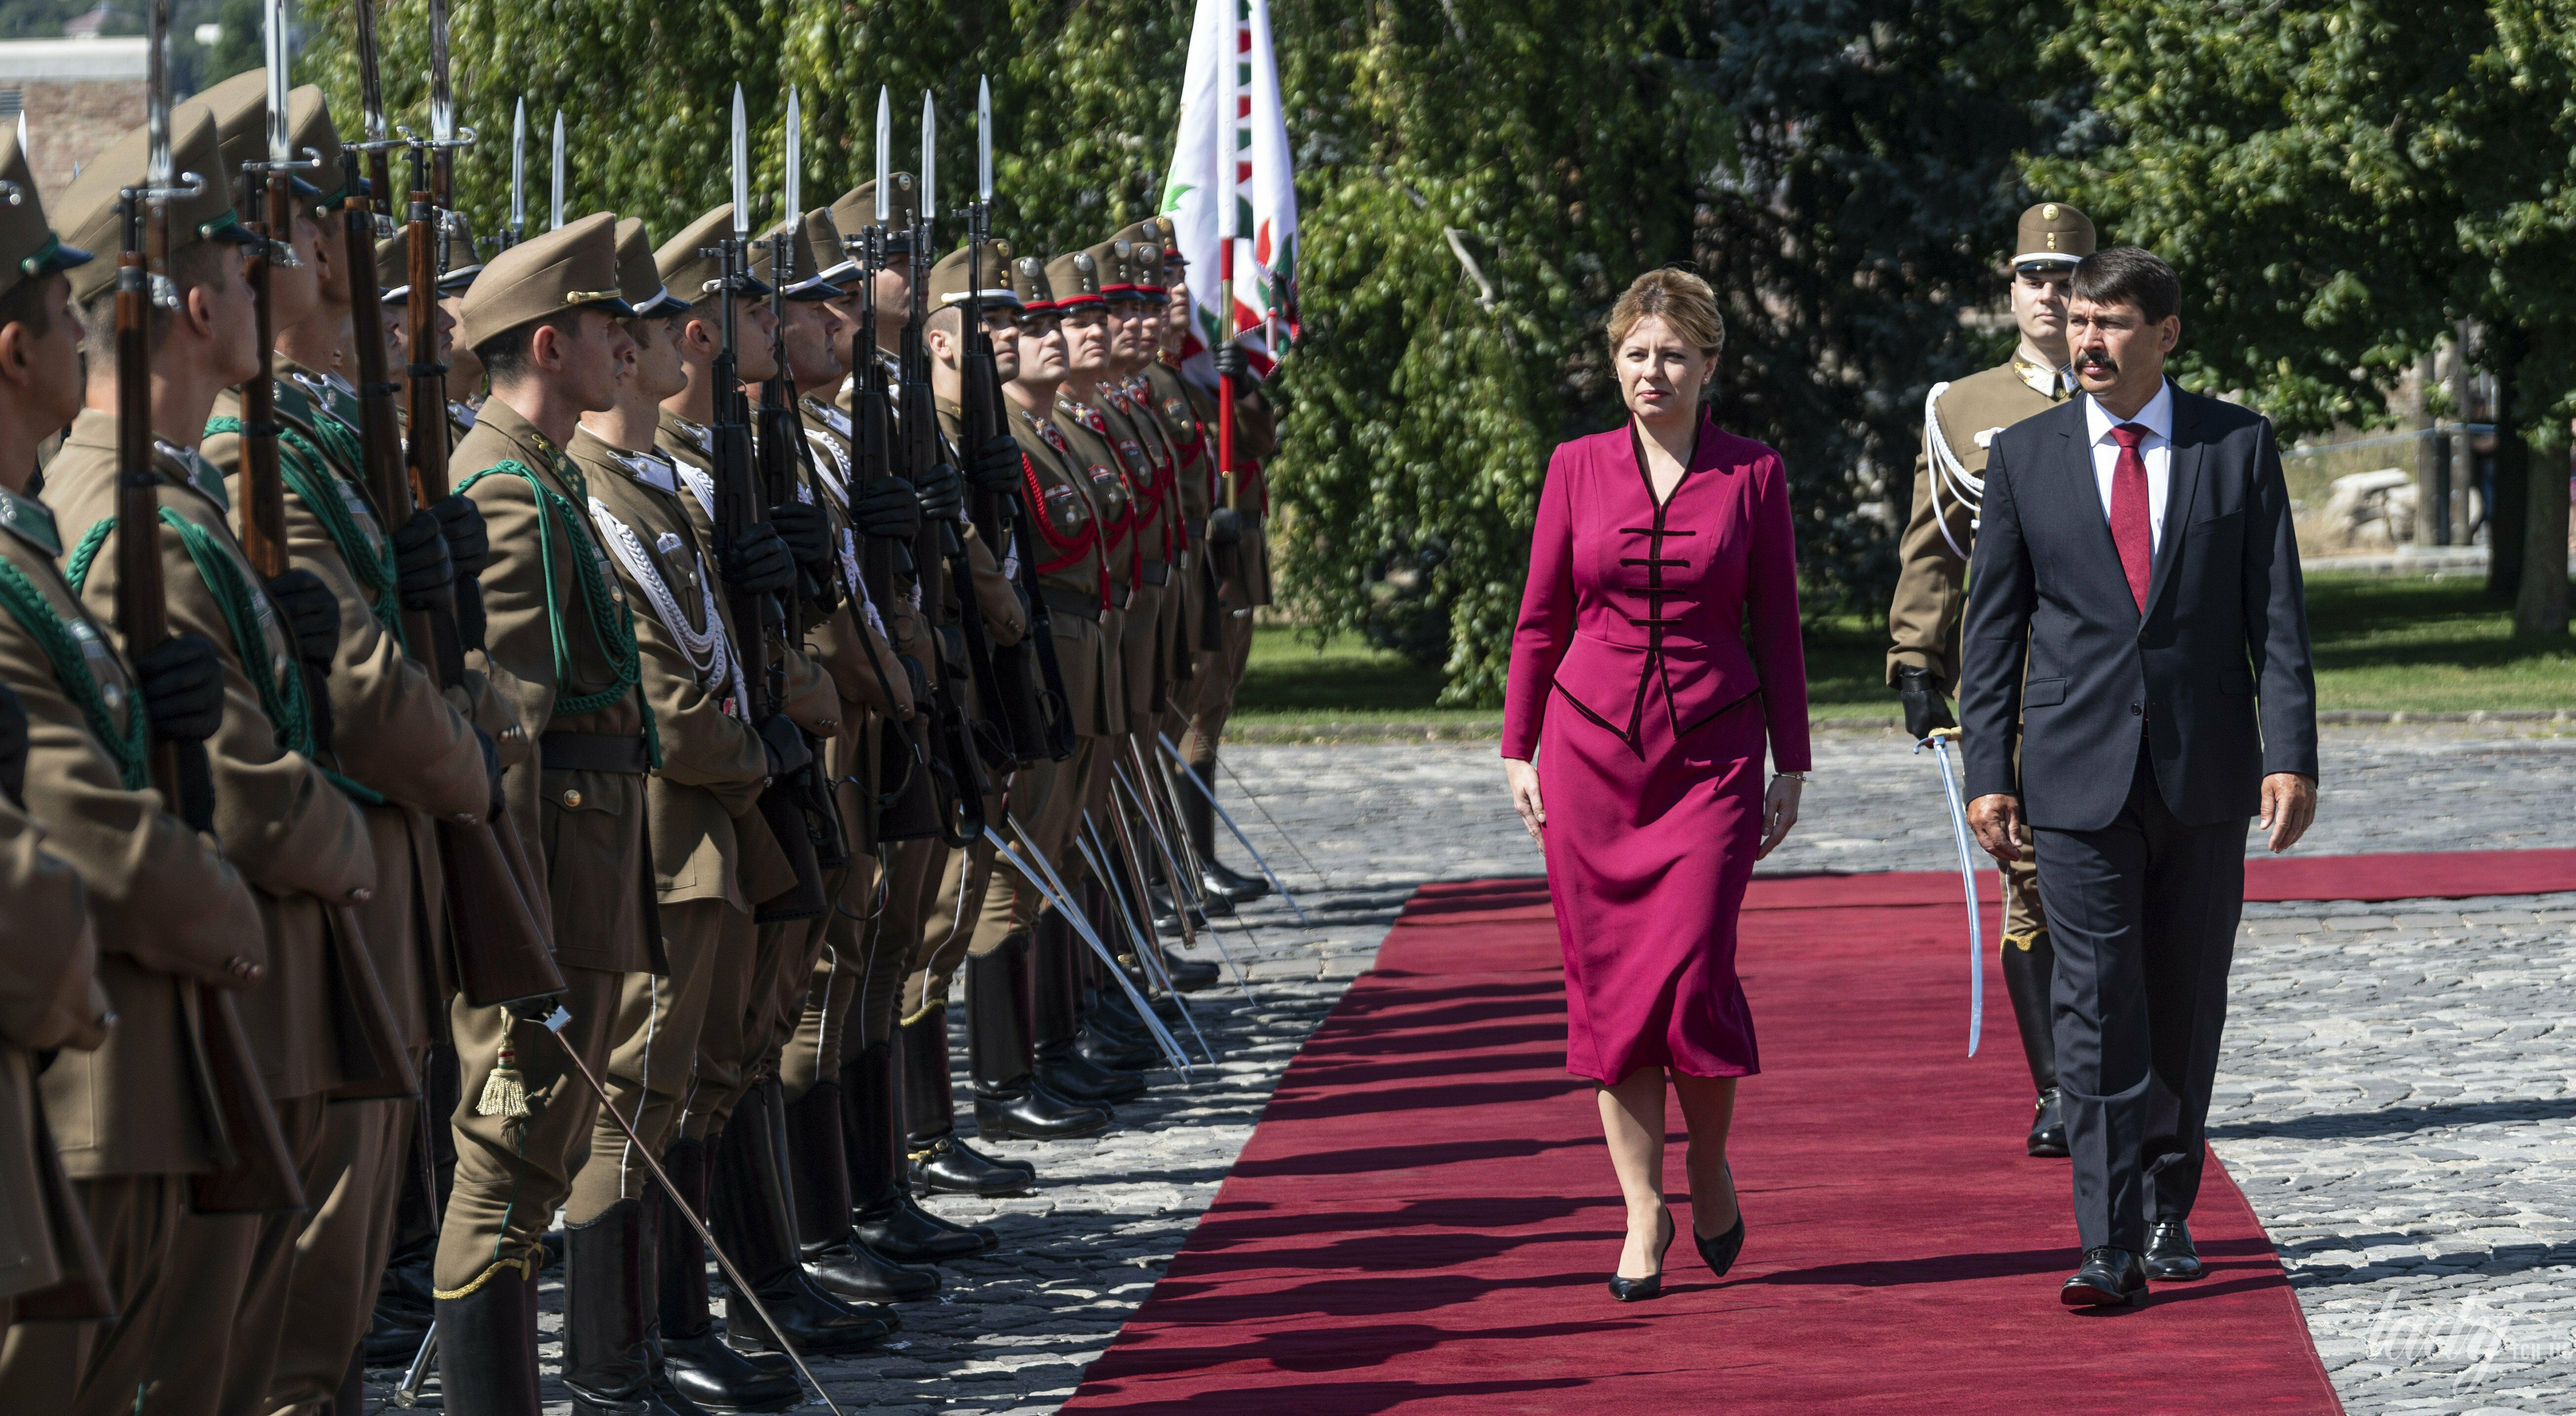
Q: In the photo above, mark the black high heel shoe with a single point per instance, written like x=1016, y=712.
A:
x=1638, y=1290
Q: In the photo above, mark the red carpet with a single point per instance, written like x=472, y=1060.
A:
x=1423, y=1220
x=2422, y=875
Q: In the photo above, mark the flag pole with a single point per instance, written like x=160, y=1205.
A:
x=1227, y=102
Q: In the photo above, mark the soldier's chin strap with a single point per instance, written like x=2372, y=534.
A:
x=1949, y=474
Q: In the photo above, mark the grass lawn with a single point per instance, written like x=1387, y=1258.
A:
x=2382, y=642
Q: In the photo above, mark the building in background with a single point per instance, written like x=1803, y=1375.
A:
x=78, y=95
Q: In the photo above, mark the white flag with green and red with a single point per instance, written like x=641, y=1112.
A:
x=1231, y=155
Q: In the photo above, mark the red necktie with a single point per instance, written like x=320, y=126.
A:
x=2129, y=510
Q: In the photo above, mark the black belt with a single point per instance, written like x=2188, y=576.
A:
x=593, y=752
x=1118, y=596
x=1158, y=572
x=1079, y=604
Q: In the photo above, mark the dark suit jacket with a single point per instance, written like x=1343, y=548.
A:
x=2060, y=664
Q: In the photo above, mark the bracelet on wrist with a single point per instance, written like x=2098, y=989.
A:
x=1792, y=776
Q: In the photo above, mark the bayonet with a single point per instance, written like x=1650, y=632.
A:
x=371, y=102
x=885, y=155
x=795, y=163
x=984, y=140
x=557, y=176
x=741, y=169
x=929, y=173
x=518, y=227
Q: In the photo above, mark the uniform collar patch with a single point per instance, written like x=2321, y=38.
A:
x=32, y=520
x=198, y=473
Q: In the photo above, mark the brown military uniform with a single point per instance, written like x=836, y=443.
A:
x=170, y=914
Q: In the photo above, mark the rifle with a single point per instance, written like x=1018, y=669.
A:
x=495, y=906
x=1031, y=709
x=371, y=99
x=759, y=620
x=904, y=805
x=252, y=1170
x=953, y=737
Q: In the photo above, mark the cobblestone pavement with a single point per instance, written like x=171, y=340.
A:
x=2395, y=1097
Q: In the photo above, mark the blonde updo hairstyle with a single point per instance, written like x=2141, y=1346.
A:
x=1677, y=297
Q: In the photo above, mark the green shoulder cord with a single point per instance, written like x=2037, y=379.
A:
x=281, y=695
x=310, y=477
x=612, y=621
x=132, y=748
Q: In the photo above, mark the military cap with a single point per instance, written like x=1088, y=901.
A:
x=1075, y=279
x=824, y=235
x=949, y=280
x=857, y=210
x=689, y=265
x=1116, y=283
x=1145, y=261
x=807, y=283
x=2052, y=234
x=91, y=208
x=1028, y=277
x=309, y=130
x=240, y=106
x=27, y=244
x=393, y=260
x=462, y=250
x=638, y=278
x=572, y=266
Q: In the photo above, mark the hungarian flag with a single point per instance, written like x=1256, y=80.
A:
x=1230, y=178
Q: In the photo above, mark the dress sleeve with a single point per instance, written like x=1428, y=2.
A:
x=1546, y=624
x=1771, y=600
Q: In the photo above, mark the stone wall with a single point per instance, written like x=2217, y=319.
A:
x=70, y=122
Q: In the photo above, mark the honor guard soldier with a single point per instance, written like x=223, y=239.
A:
x=1959, y=420
x=392, y=731
x=545, y=318
x=121, y=1112
x=1027, y=972
x=291, y=824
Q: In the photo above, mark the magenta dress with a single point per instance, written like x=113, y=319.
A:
x=1648, y=712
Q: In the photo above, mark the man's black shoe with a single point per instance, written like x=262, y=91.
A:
x=2110, y=1278
x=2171, y=1256
x=2047, y=1126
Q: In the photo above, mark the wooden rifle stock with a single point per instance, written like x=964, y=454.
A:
x=957, y=762
x=252, y=1170
x=906, y=809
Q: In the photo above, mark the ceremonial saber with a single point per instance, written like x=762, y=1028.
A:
x=1053, y=889
x=1172, y=866
x=1147, y=960
x=1167, y=801
x=1228, y=818
x=1968, y=880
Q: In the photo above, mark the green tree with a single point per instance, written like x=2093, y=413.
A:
x=2338, y=182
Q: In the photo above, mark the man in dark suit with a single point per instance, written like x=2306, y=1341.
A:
x=2135, y=685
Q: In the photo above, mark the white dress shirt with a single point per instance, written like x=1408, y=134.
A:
x=2155, y=449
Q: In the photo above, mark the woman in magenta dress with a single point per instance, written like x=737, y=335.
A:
x=1656, y=659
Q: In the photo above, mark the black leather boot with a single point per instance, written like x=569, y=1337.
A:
x=695, y=1363
x=487, y=1348
x=1064, y=1063
x=2026, y=978
x=608, y=1308
x=884, y=1212
x=1199, y=817
x=1010, y=1100
x=1191, y=975
x=819, y=1182
x=942, y=1163
x=751, y=1219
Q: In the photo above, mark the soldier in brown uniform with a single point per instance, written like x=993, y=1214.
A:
x=170, y=914
x=1238, y=562
x=1959, y=420
x=741, y=1040
x=286, y=821
x=544, y=318
x=393, y=732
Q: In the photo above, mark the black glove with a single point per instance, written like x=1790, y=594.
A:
x=13, y=746
x=1225, y=526
x=491, y=771
x=182, y=682
x=943, y=493
x=760, y=563
x=461, y=522
x=997, y=468
x=534, y=1010
x=421, y=569
x=1230, y=363
x=1926, y=711
x=807, y=533
x=312, y=615
x=786, y=744
x=891, y=509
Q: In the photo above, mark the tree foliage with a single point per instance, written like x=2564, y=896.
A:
x=2338, y=182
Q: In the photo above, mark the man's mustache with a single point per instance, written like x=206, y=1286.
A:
x=2101, y=362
